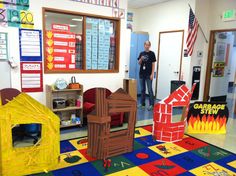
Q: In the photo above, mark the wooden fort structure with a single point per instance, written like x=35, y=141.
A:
x=102, y=143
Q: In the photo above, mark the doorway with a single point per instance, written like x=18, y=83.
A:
x=169, y=64
x=221, y=69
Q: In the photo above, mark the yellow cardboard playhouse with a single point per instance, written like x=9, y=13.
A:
x=43, y=156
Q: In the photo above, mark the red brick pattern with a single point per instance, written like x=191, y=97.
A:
x=164, y=130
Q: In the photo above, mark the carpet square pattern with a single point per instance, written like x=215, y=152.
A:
x=149, y=158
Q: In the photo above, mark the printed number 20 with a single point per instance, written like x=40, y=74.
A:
x=26, y=17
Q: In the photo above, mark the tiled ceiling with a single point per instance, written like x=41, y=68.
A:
x=143, y=3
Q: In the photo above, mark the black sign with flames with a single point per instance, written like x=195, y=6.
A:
x=207, y=117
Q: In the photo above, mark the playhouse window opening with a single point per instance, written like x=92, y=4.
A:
x=26, y=135
x=178, y=111
x=124, y=125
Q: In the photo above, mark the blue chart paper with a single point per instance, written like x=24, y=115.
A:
x=88, y=58
x=88, y=47
x=97, y=43
x=30, y=42
x=101, y=44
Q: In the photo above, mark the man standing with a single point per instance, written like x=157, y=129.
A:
x=146, y=61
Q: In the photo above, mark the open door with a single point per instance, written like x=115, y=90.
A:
x=219, y=83
x=222, y=55
x=219, y=68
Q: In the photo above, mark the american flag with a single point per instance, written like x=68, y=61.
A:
x=192, y=32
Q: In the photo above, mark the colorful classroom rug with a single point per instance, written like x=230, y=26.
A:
x=149, y=158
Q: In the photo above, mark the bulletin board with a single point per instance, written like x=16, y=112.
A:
x=94, y=50
x=30, y=44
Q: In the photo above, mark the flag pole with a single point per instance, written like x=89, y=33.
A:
x=200, y=28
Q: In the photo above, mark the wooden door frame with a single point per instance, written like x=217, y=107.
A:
x=158, y=55
x=210, y=60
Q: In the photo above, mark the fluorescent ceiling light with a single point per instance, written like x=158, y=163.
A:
x=73, y=25
x=77, y=19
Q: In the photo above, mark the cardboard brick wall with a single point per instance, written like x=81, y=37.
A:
x=164, y=129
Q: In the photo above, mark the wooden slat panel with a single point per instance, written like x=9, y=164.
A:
x=119, y=110
x=118, y=133
x=119, y=141
x=96, y=119
x=127, y=103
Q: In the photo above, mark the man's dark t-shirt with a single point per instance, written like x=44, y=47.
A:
x=146, y=66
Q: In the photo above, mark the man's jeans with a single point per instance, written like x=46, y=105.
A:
x=143, y=82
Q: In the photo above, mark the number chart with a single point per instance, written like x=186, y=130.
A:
x=15, y=13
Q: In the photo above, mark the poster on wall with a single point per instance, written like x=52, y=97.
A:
x=60, y=48
x=31, y=76
x=15, y=13
x=227, y=55
x=130, y=16
x=30, y=42
x=3, y=46
x=220, y=52
x=207, y=117
x=218, y=69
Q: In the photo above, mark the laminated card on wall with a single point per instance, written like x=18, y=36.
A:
x=3, y=46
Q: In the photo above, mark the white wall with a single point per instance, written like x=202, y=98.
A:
x=111, y=81
x=173, y=15
x=167, y=16
x=202, y=15
x=217, y=7
x=209, y=13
